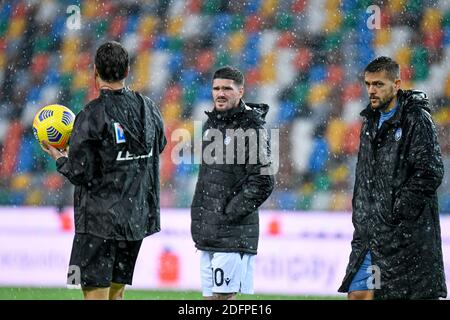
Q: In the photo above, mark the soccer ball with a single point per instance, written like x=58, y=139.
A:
x=54, y=123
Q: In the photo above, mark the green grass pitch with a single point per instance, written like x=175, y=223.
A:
x=75, y=294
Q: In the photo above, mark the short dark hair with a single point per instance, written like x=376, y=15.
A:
x=384, y=64
x=111, y=61
x=230, y=73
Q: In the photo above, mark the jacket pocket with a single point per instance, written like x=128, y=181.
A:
x=388, y=214
x=410, y=208
x=390, y=221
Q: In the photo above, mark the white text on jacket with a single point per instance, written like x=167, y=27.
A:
x=129, y=156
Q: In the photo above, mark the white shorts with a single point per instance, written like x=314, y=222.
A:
x=226, y=272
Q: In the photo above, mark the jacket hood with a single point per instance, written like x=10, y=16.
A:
x=260, y=109
x=413, y=99
x=134, y=118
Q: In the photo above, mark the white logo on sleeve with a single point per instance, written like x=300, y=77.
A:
x=120, y=135
x=398, y=134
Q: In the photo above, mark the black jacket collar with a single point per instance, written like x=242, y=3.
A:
x=402, y=100
x=228, y=115
x=113, y=92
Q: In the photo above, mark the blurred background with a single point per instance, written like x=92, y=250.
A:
x=304, y=58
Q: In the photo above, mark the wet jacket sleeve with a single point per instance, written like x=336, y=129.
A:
x=162, y=141
x=259, y=180
x=357, y=241
x=427, y=170
x=79, y=166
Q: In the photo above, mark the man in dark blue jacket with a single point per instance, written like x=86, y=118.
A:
x=396, y=246
x=114, y=164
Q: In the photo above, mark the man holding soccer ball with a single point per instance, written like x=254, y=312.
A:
x=114, y=164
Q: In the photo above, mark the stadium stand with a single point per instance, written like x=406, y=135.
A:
x=302, y=57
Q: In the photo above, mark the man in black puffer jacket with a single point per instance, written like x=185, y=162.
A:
x=396, y=246
x=234, y=180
